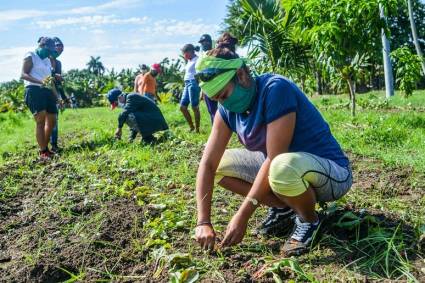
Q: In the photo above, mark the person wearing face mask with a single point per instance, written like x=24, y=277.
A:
x=206, y=45
x=140, y=113
x=191, y=89
x=148, y=84
x=57, y=73
x=290, y=158
x=39, y=96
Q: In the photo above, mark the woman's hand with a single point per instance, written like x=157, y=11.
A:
x=205, y=236
x=118, y=133
x=235, y=231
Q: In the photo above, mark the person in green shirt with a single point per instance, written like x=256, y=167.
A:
x=140, y=113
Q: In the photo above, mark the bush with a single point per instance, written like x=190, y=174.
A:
x=408, y=69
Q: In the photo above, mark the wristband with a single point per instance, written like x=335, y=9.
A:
x=204, y=223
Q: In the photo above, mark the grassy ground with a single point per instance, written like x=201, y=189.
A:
x=107, y=210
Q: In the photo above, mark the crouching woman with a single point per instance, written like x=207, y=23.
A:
x=290, y=158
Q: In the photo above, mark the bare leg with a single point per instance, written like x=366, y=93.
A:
x=40, y=120
x=187, y=116
x=49, y=125
x=197, y=115
x=304, y=205
x=242, y=188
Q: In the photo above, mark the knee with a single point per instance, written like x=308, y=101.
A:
x=183, y=108
x=40, y=123
x=285, y=176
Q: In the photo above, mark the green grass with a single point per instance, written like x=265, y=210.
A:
x=108, y=210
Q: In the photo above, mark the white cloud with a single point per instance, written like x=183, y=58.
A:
x=10, y=16
x=171, y=27
x=11, y=60
x=106, y=6
x=85, y=21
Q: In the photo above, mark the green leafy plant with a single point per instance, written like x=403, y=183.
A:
x=408, y=69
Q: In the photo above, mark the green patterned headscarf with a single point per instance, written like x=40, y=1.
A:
x=211, y=88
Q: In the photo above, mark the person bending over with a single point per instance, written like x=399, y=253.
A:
x=140, y=113
x=290, y=158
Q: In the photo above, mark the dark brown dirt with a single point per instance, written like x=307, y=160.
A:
x=102, y=246
x=102, y=237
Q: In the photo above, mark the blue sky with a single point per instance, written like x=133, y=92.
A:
x=125, y=33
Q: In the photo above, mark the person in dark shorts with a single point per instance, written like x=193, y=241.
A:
x=57, y=73
x=39, y=95
x=140, y=113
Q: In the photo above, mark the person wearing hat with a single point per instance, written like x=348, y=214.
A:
x=139, y=79
x=206, y=45
x=148, y=86
x=39, y=92
x=140, y=113
x=57, y=72
x=289, y=158
x=191, y=89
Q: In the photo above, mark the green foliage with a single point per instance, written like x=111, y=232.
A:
x=12, y=96
x=159, y=180
x=408, y=69
x=273, y=41
x=171, y=78
x=89, y=85
x=95, y=66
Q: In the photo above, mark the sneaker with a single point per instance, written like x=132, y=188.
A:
x=278, y=221
x=55, y=149
x=45, y=155
x=301, y=237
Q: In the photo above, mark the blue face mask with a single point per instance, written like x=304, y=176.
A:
x=43, y=53
x=240, y=99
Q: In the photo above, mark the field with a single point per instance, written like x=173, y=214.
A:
x=114, y=211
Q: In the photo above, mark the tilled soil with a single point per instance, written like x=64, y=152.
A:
x=98, y=237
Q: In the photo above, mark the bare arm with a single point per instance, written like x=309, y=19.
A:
x=26, y=69
x=279, y=137
x=136, y=83
x=216, y=145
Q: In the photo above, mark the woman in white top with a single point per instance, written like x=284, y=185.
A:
x=191, y=90
x=40, y=100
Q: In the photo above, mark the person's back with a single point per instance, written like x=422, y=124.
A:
x=138, y=82
x=149, y=84
x=142, y=115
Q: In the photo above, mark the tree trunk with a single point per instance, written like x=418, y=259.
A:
x=388, y=68
x=352, y=94
x=415, y=35
x=319, y=84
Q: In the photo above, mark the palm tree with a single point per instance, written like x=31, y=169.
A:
x=266, y=28
x=415, y=35
x=95, y=66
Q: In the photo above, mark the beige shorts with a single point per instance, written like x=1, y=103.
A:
x=290, y=174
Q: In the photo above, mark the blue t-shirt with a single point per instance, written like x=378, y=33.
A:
x=277, y=96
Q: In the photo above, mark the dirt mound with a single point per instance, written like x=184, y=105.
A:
x=53, y=247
